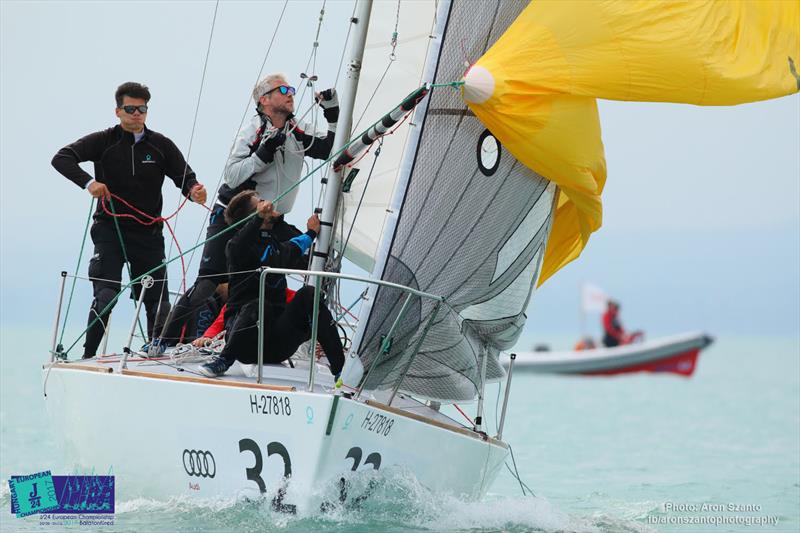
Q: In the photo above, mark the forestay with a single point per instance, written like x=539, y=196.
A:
x=467, y=222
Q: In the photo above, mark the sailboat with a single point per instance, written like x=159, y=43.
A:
x=457, y=233
x=439, y=309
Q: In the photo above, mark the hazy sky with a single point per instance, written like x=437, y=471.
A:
x=702, y=205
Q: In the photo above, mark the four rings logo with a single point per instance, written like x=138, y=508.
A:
x=199, y=463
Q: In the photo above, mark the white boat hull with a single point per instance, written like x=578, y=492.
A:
x=676, y=354
x=163, y=437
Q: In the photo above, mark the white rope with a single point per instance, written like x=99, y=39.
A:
x=189, y=353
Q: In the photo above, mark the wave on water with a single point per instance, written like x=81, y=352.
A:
x=394, y=501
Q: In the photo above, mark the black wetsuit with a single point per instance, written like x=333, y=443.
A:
x=135, y=172
x=286, y=325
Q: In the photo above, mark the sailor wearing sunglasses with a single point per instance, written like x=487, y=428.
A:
x=268, y=157
x=270, y=149
x=130, y=162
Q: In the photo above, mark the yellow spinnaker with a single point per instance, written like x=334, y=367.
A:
x=535, y=88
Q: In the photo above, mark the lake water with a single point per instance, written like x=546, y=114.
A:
x=610, y=454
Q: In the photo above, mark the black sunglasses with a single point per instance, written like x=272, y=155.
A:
x=130, y=109
x=284, y=89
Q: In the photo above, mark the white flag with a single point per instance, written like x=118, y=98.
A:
x=593, y=299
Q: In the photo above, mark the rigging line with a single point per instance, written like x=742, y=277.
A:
x=194, y=125
x=241, y=122
x=496, y=402
x=392, y=57
x=183, y=179
x=454, y=84
x=312, y=59
x=177, y=367
x=125, y=257
x=514, y=473
x=314, y=47
x=346, y=41
x=153, y=220
x=330, y=158
x=77, y=267
x=363, y=193
x=91, y=278
x=464, y=415
x=346, y=310
x=522, y=483
x=372, y=96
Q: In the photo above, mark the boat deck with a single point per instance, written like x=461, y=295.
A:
x=274, y=377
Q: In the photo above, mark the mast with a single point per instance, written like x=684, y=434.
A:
x=347, y=98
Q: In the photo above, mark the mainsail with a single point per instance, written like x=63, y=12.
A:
x=467, y=222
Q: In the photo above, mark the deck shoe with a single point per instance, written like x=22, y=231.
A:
x=154, y=348
x=216, y=367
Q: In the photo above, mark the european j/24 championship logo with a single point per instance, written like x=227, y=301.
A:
x=45, y=493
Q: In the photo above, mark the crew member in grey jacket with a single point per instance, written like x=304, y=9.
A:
x=268, y=157
x=276, y=163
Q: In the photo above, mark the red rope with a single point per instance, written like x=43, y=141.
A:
x=390, y=132
x=152, y=220
x=346, y=310
x=180, y=252
x=464, y=415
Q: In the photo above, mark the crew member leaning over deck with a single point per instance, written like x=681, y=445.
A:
x=287, y=326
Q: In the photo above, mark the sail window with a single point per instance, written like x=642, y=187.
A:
x=488, y=153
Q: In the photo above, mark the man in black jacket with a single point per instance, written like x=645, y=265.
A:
x=286, y=325
x=130, y=162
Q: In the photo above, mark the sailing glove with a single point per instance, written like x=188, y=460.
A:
x=266, y=152
x=330, y=105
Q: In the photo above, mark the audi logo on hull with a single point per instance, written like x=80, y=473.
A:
x=199, y=463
